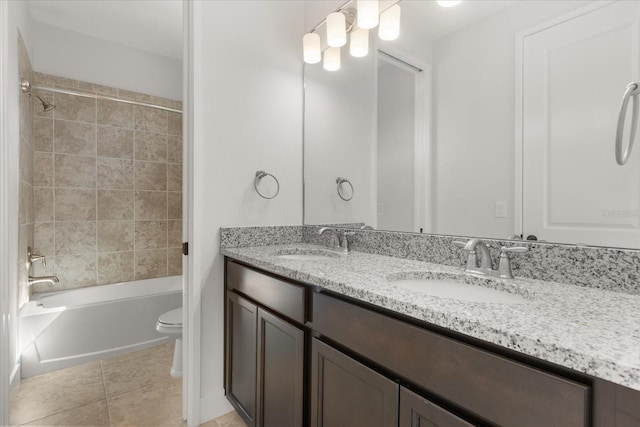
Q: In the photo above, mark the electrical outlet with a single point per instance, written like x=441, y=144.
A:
x=501, y=209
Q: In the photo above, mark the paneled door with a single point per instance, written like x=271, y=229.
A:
x=574, y=73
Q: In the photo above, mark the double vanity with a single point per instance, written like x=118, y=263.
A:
x=323, y=337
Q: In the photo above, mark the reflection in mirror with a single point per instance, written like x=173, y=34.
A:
x=521, y=102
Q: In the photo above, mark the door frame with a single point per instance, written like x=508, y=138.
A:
x=518, y=199
x=422, y=145
x=5, y=244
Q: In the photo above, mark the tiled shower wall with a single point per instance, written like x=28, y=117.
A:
x=108, y=186
x=25, y=167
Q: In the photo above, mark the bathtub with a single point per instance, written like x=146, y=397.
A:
x=62, y=329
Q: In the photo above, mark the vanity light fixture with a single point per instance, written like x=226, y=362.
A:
x=336, y=29
x=356, y=22
x=448, y=3
x=389, y=28
x=359, y=45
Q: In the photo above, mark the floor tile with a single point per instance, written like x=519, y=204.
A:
x=93, y=414
x=135, y=370
x=156, y=405
x=232, y=419
x=55, y=392
x=212, y=423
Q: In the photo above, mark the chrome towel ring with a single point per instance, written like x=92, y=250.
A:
x=258, y=178
x=340, y=189
x=632, y=90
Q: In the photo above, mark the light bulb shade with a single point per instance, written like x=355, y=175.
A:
x=390, y=23
x=448, y=3
x=336, y=29
x=311, y=48
x=359, y=45
x=368, y=11
x=331, y=59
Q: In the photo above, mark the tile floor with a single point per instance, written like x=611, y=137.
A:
x=134, y=389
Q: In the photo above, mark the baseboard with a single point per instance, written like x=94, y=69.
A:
x=14, y=379
x=213, y=406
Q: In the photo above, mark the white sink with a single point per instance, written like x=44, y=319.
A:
x=305, y=254
x=306, y=257
x=451, y=289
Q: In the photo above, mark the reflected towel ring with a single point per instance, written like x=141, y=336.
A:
x=632, y=90
x=341, y=181
x=259, y=176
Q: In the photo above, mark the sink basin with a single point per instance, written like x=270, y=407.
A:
x=451, y=289
x=307, y=254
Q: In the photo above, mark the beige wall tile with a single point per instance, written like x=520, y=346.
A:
x=151, y=176
x=174, y=261
x=151, y=235
x=78, y=237
x=174, y=177
x=26, y=161
x=74, y=138
x=115, y=267
x=75, y=271
x=114, y=113
x=150, y=205
x=43, y=239
x=44, y=79
x=115, y=236
x=150, y=119
x=150, y=146
x=174, y=205
x=74, y=205
x=174, y=233
x=174, y=123
x=75, y=171
x=43, y=204
x=43, y=169
x=115, y=205
x=43, y=134
x=115, y=142
x=115, y=174
x=151, y=263
x=74, y=108
x=174, y=149
x=99, y=89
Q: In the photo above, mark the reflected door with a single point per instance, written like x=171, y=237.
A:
x=574, y=75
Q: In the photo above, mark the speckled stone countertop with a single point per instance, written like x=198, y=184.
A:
x=593, y=331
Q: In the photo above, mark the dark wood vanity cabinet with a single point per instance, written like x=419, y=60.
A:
x=264, y=354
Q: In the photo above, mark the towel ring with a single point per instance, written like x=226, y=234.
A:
x=258, y=178
x=632, y=90
x=341, y=181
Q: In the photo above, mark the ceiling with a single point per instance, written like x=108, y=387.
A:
x=153, y=26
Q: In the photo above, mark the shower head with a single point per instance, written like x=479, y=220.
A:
x=26, y=88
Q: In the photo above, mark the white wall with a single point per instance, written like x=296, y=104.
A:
x=340, y=141
x=474, y=117
x=77, y=56
x=247, y=113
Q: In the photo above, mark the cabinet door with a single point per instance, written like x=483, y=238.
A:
x=240, y=355
x=347, y=393
x=416, y=411
x=280, y=372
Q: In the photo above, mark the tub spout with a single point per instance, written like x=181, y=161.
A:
x=43, y=279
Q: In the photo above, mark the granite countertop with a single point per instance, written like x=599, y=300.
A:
x=593, y=331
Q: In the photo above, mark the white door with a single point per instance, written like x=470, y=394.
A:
x=574, y=75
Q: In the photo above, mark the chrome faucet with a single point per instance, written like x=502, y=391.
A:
x=485, y=266
x=338, y=238
x=43, y=279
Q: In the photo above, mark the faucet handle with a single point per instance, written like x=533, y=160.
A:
x=459, y=243
x=31, y=258
x=504, y=268
x=472, y=258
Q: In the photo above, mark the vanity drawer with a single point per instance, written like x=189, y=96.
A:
x=495, y=388
x=284, y=297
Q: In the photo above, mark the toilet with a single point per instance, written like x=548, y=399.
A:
x=170, y=324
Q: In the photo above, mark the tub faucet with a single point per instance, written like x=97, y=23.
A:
x=43, y=279
x=338, y=238
x=485, y=266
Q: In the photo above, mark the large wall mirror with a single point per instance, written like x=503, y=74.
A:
x=494, y=119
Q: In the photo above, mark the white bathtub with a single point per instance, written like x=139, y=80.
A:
x=62, y=329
